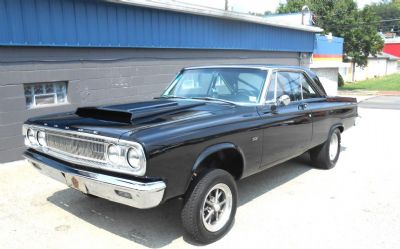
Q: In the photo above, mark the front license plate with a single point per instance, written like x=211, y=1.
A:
x=75, y=183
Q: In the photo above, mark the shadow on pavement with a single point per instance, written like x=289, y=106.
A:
x=159, y=226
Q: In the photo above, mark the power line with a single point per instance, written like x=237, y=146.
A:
x=377, y=23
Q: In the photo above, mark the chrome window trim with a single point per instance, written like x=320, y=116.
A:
x=292, y=70
x=82, y=160
x=267, y=82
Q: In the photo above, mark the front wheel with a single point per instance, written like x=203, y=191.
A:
x=210, y=206
x=327, y=154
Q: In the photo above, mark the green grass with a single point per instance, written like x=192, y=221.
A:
x=387, y=83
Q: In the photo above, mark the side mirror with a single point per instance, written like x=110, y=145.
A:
x=284, y=100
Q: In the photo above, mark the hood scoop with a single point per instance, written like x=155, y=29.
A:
x=128, y=113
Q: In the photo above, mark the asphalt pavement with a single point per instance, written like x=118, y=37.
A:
x=355, y=205
x=381, y=102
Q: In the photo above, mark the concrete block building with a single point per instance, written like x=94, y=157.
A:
x=57, y=55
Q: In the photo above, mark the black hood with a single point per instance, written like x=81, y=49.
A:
x=114, y=120
x=129, y=113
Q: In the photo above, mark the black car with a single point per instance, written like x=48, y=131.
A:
x=211, y=127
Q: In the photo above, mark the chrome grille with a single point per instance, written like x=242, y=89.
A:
x=77, y=146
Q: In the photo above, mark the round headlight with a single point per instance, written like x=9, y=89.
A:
x=114, y=154
x=31, y=136
x=41, y=138
x=134, y=158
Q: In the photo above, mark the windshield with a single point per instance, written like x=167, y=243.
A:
x=238, y=85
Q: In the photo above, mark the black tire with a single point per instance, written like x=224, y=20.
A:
x=192, y=212
x=320, y=155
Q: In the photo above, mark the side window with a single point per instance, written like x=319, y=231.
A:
x=289, y=83
x=308, y=91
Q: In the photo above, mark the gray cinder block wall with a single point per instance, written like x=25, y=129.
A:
x=98, y=76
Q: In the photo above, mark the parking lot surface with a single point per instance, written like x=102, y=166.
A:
x=382, y=102
x=355, y=205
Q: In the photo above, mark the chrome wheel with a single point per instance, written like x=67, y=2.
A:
x=217, y=207
x=333, y=146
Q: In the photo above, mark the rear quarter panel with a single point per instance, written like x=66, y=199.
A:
x=331, y=112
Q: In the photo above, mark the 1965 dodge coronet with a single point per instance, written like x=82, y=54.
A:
x=211, y=127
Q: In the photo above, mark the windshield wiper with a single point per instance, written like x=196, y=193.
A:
x=170, y=97
x=215, y=99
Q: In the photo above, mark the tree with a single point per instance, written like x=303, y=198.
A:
x=291, y=6
x=342, y=18
x=388, y=10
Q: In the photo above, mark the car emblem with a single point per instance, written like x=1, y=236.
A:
x=253, y=139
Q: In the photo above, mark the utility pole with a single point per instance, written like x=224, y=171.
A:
x=226, y=5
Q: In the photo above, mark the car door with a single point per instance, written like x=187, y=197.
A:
x=287, y=131
x=315, y=102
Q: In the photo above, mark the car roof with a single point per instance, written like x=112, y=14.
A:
x=252, y=66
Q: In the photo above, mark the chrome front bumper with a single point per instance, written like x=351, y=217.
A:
x=132, y=193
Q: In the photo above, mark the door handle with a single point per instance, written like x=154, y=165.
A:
x=303, y=106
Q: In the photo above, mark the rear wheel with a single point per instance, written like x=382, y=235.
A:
x=327, y=154
x=210, y=206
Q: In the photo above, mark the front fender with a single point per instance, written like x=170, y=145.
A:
x=215, y=148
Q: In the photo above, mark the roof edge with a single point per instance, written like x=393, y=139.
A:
x=204, y=11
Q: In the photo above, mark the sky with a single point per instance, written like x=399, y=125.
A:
x=258, y=6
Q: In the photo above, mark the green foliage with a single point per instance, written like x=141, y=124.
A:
x=291, y=6
x=340, y=80
x=386, y=83
x=344, y=19
x=386, y=11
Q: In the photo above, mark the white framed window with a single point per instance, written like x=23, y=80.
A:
x=46, y=94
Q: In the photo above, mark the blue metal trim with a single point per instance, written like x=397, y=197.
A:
x=328, y=47
x=90, y=23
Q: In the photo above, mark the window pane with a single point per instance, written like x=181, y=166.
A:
x=38, y=89
x=29, y=101
x=250, y=84
x=221, y=88
x=38, y=94
x=289, y=84
x=28, y=90
x=61, y=98
x=232, y=84
x=49, y=88
x=45, y=99
x=61, y=87
x=308, y=91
